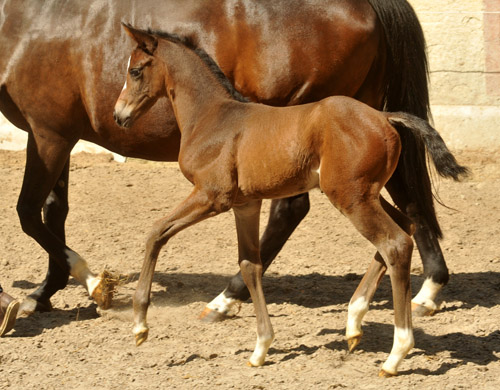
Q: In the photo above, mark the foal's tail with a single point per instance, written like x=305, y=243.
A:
x=445, y=163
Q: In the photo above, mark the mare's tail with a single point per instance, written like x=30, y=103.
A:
x=445, y=163
x=406, y=89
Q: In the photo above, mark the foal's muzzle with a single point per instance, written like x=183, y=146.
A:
x=122, y=113
x=122, y=121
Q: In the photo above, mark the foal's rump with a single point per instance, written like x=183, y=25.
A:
x=359, y=147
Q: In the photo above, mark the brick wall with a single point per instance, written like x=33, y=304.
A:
x=463, y=39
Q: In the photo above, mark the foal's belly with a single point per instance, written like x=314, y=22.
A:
x=275, y=184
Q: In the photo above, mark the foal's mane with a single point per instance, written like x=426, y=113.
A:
x=205, y=57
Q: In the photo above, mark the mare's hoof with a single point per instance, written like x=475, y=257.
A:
x=103, y=293
x=29, y=306
x=353, y=342
x=210, y=315
x=141, y=337
x=385, y=374
x=419, y=310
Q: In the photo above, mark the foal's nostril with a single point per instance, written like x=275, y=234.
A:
x=117, y=118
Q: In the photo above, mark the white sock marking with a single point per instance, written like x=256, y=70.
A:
x=403, y=343
x=80, y=271
x=222, y=304
x=427, y=294
x=259, y=354
x=355, y=314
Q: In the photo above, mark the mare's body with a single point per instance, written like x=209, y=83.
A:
x=60, y=75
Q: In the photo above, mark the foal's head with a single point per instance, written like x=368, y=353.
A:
x=145, y=79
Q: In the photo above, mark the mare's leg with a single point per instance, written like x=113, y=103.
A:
x=194, y=209
x=55, y=211
x=284, y=217
x=247, y=226
x=395, y=247
x=46, y=158
x=435, y=270
x=359, y=303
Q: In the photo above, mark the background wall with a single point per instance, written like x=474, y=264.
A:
x=463, y=38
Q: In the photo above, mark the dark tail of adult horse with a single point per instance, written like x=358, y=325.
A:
x=445, y=163
x=406, y=90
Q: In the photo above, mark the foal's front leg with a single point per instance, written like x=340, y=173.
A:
x=247, y=227
x=191, y=211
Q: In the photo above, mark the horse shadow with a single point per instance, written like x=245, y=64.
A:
x=310, y=290
x=464, y=291
x=463, y=348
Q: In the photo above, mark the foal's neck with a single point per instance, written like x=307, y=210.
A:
x=192, y=87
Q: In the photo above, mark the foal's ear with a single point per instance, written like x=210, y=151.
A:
x=146, y=41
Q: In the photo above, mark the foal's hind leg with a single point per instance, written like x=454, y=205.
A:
x=359, y=303
x=395, y=246
x=435, y=270
x=55, y=211
x=284, y=217
x=247, y=226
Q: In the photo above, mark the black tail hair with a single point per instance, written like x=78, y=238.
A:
x=444, y=161
x=406, y=89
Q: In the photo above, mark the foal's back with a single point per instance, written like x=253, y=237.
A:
x=284, y=151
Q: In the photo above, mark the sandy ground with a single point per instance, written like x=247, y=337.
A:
x=112, y=208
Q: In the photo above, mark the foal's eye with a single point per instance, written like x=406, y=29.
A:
x=135, y=72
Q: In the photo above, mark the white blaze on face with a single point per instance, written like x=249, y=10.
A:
x=126, y=74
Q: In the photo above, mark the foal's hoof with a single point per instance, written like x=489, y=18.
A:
x=353, y=342
x=255, y=364
x=211, y=315
x=385, y=374
x=419, y=310
x=103, y=293
x=141, y=337
x=29, y=306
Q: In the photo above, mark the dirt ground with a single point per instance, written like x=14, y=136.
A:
x=112, y=207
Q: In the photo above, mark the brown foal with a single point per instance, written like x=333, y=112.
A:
x=237, y=153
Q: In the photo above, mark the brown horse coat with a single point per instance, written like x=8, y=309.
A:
x=237, y=153
x=60, y=74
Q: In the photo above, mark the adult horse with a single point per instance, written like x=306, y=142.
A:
x=60, y=74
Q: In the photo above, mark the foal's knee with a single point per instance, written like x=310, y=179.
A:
x=250, y=271
x=154, y=241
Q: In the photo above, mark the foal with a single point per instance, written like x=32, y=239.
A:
x=237, y=153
